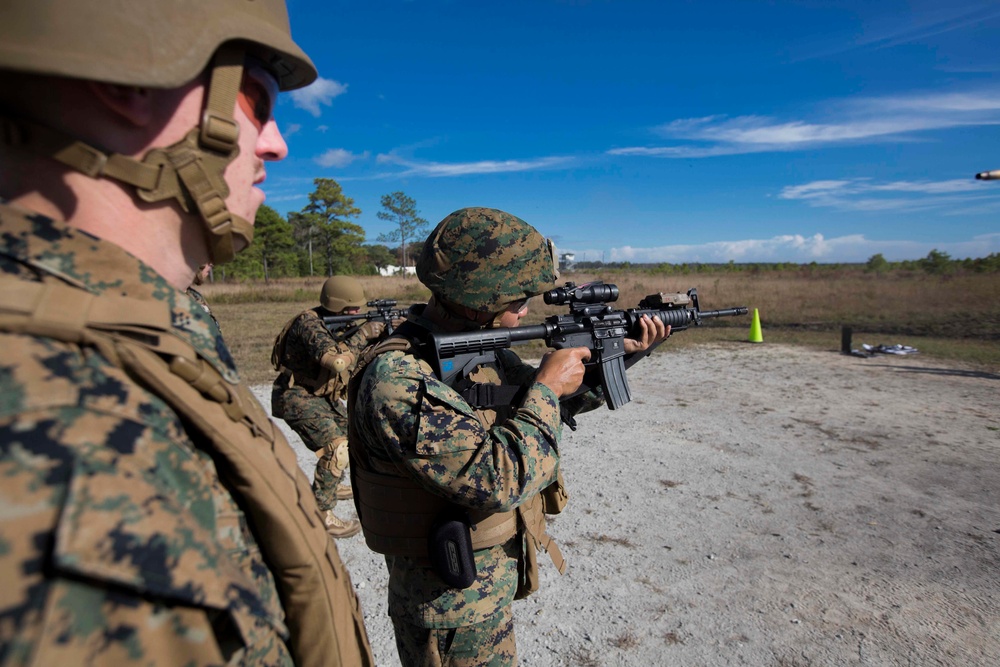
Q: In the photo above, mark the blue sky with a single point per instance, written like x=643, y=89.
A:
x=816, y=130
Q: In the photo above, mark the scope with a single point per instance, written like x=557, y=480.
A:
x=596, y=292
x=382, y=303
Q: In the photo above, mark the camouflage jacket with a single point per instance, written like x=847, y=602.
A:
x=306, y=340
x=199, y=298
x=119, y=544
x=411, y=424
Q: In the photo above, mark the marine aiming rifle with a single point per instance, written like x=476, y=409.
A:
x=384, y=312
x=591, y=323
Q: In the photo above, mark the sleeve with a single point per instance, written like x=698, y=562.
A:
x=108, y=544
x=357, y=342
x=311, y=336
x=423, y=427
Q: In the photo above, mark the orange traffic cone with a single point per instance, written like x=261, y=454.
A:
x=755, y=335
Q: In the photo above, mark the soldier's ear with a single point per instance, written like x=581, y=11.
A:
x=132, y=104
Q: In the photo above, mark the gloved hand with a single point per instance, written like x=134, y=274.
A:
x=372, y=329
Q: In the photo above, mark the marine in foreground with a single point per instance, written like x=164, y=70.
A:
x=151, y=512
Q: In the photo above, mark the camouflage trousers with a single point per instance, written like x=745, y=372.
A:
x=486, y=644
x=317, y=433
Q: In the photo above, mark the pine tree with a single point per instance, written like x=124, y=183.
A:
x=402, y=212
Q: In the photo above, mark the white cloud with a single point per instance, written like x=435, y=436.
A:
x=292, y=129
x=439, y=169
x=276, y=198
x=883, y=25
x=862, y=194
x=796, y=248
x=338, y=157
x=866, y=120
x=814, y=190
x=319, y=93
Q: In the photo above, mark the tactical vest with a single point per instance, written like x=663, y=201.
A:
x=322, y=611
x=396, y=513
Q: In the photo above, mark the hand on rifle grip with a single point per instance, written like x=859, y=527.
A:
x=372, y=330
x=562, y=370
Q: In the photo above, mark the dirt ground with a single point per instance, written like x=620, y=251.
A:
x=767, y=505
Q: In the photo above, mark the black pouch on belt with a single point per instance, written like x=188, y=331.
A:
x=449, y=547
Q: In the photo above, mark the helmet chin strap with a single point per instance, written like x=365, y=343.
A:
x=449, y=312
x=191, y=171
x=450, y=315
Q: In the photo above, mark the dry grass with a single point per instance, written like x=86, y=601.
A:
x=582, y=657
x=625, y=641
x=609, y=539
x=671, y=637
x=252, y=315
x=950, y=318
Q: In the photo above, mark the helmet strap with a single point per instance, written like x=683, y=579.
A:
x=190, y=171
x=449, y=314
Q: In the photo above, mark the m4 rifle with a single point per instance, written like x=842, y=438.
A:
x=385, y=311
x=590, y=323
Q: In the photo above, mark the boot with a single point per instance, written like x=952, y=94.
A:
x=338, y=528
x=345, y=492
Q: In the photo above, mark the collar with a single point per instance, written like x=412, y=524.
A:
x=36, y=247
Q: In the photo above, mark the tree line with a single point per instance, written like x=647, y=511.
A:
x=935, y=263
x=323, y=240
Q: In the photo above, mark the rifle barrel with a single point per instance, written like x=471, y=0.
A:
x=725, y=312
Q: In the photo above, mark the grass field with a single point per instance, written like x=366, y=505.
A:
x=955, y=318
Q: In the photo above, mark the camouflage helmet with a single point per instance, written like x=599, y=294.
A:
x=485, y=259
x=155, y=44
x=341, y=292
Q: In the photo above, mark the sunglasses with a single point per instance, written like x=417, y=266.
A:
x=518, y=306
x=258, y=94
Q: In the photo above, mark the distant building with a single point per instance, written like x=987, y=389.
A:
x=391, y=270
x=566, y=261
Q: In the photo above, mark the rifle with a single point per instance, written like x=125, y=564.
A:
x=384, y=311
x=591, y=323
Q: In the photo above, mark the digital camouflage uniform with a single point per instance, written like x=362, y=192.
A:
x=119, y=541
x=310, y=398
x=199, y=298
x=410, y=424
x=151, y=512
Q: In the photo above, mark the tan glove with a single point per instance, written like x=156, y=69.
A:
x=372, y=329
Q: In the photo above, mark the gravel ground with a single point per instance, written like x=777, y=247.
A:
x=766, y=505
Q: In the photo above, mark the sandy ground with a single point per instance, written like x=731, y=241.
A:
x=767, y=505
